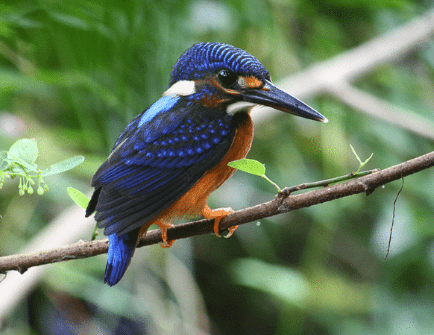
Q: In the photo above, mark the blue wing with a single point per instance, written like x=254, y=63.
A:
x=161, y=154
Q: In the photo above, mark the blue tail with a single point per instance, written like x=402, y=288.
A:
x=121, y=249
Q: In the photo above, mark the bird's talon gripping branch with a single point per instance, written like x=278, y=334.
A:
x=167, y=244
x=163, y=227
x=230, y=231
x=217, y=215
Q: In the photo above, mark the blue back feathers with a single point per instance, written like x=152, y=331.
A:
x=203, y=58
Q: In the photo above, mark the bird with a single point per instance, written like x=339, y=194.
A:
x=170, y=157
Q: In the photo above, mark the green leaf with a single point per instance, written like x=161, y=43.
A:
x=4, y=161
x=63, y=166
x=24, y=152
x=78, y=197
x=70, y=20
x=253, y=167
x=249, y=165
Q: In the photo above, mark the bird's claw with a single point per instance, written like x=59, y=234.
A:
x=163, y=228
x=230, y=231
x=217, y=215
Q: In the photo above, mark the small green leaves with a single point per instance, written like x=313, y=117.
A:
x=249, y=165
x=82, y=201
x=253, y=167
x=78, y=197
x=24, y=150
x=20, y=161
x=4, y=162
x=258, y=169
x=63, y=166
x=362, y=164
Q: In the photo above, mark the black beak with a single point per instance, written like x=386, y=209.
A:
x=274, y=97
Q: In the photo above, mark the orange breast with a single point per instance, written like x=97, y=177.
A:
x=192, y=202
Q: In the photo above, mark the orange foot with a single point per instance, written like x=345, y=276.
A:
x=163, y=227
x=217, y=215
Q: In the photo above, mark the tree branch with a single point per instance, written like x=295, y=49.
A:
x=335, y=75
x=283, y=202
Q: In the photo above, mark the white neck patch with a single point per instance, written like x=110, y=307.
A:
x=240, y=106
x=181, y=88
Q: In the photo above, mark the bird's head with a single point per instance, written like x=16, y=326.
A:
x=218, y=75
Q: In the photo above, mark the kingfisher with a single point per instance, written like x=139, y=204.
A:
x=169, y=159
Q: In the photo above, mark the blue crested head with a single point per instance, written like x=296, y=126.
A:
x=204, y=58
x=216, y=75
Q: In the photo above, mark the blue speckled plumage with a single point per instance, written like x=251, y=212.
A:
x=168, y=148
x=155, y=173
x=205, y=58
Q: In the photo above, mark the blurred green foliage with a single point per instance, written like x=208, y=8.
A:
x=74, y=73
x=20, y=161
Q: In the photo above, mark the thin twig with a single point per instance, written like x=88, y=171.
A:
x=393, y=218
x=326, y=182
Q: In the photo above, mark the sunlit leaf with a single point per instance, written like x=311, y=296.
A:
x=24, y=152
x=78, y=197
x=249, y=165
x=70, y=20
x=63, y=166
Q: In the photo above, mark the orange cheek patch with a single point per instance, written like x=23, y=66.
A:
x=252, y=82
x=212, y=101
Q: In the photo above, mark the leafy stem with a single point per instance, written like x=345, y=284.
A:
x=362, y=164
x=253, y=167
x=258, y=169
x=20, y=160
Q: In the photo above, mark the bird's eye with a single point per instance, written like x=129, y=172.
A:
x=227, y=78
